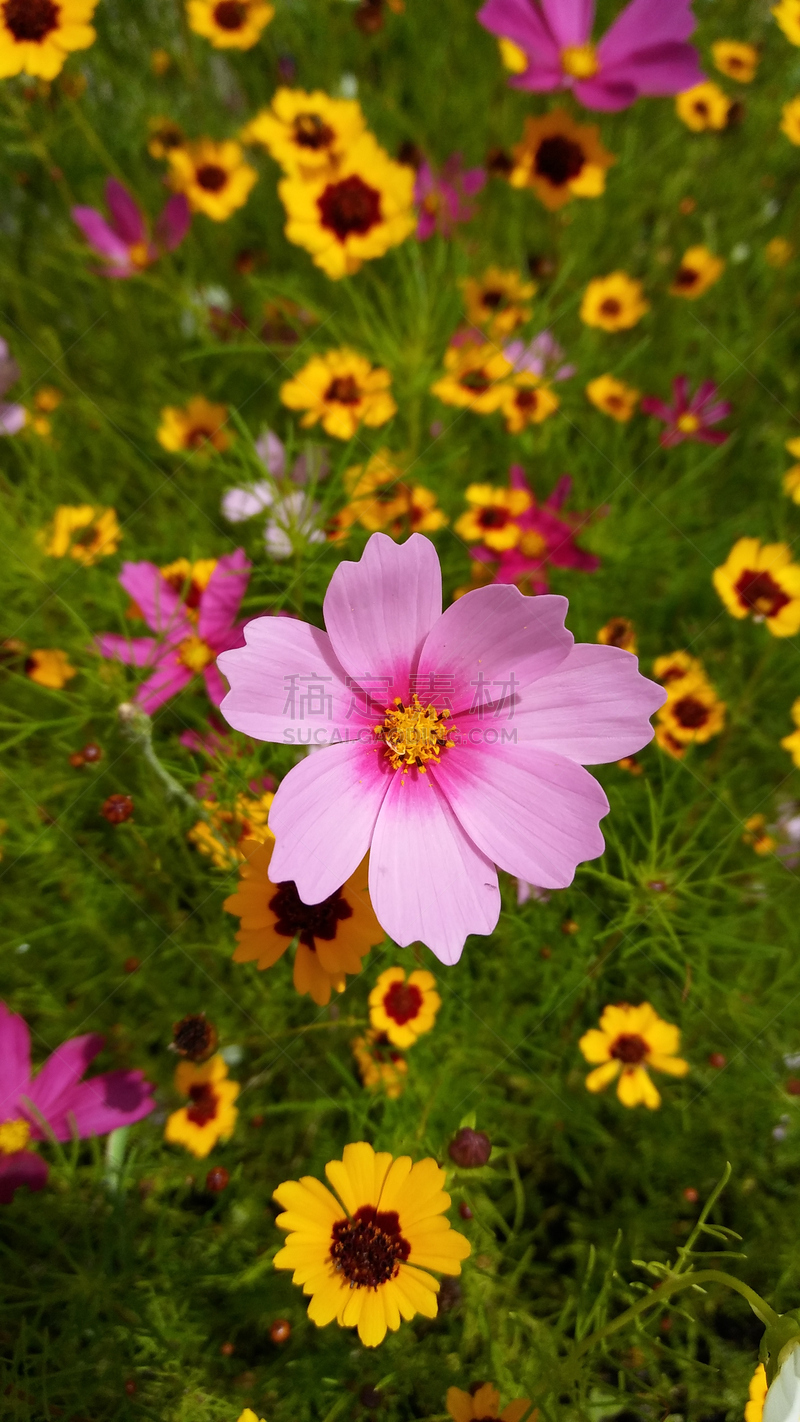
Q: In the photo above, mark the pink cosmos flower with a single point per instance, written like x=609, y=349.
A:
x=123, y=243
x=542, y=356
x=644, y=52
x=443, y=197
x=689, y=419
x=57, y=1096
x=452, y=742
x=547, y=540
x=183, y=646
x=12, y=417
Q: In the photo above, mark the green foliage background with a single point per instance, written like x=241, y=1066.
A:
x=142, y=1278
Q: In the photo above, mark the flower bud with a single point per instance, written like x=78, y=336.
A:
x=469, y=1148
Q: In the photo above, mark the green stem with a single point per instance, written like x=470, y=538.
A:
x=139, y=729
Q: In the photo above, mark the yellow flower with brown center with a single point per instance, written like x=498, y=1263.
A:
x=165, y=135
x=665, y=739
x=214, y=176
x=614, y=303
x=703, y=106
x=349, y=216
x=82, y=532
x=559, y=159
x=211, y=1114
x=736, y=59
x=343, y=391
x=628, y=1042
x=790, y=121
x=618, y=632
x=483, y=1405
x=787, y=13
x=791, y=742
x=476, y=378
x=761, y=581
x=692, y=712
x=364, y=1257
x=48, y=398
x=757, y=1392
x=613, y=397
x=778, y=252
x=382, y=500
x=491, y=517
x=527, y=402
x=36, y=36
x=223, y=837
x=674, y=666
x=404, y=1008
x=229, y=24
x=512, y=57
x=307, y=133
x=381, y=1066
x=497, y=301
x=332, y=937
x=194, y=428
x=49, y=667
x=756, y=836
x=699, y=269
x=189, y=581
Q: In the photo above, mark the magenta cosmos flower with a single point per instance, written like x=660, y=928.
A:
x=453, y=742
x=190, y=631
x=124, y=243
x=644, y=52
x=58, y=1097
x=689, y=418
x=546, y=541
x=443, y=198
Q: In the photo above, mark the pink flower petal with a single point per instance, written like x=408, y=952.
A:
x=59, y=1076
x=100, y=236
x=530, y=811
x=169, y=677
x=522, y=22
x=23, y=1167
x=427, y=880
x=570, y=21
x=594, y=708
x=215, y=686
x=642, y=25
x=286, y=681
x=15, y=1060
x=128, y=222
x=102, y=1104
x=379, y=611
x=158, y=602
x=134, y=651
x=323, y=817
x=651, y=405
x=492, y=643
x=219, y=602
x=653, y=70
x=13, y=418
x=174, y=222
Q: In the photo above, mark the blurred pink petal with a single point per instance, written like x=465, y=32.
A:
x=15, y=1057
x=220, y=600
x=134, y=651
x=22, y=1167
x=12, y=418
x=102, y=237
x=128, y=222
x=173, y=223
x=594, y=708
x=169, y=678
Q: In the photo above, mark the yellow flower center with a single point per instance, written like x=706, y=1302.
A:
x=580, y=60
x=195, y=653
x=688, y=423
x=532, y=544
x=139, y=254
x=14, y=1136
x=414, y=734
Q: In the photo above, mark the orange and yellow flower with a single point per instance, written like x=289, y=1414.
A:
x=491, y=516
x=364, y=1257
x=214, y=176
x=404, y=1008
x=50, y=667
x=224, y=835
x=381, y=1066
x=211, y=1114
x=229, y=24
x=483, y=1405
x=736, y=59
x=308, y=134
x=37, y=38
x=778, y=252
x=787, y=13
x=343, y=391
x=559, y=159
x=613, y=303
x=498, y=301
x=699, y=269
x=613, y=397
x=476, y=378
x=382, y=500
x=82, y=532
x=791, y=743
x=165, y=135
x=790, y=121
x=527, y=401
x=761, y=581
x=692, y=712
x=195, y=428
x=618, y=632
x=703, y=106
x=628, y=1041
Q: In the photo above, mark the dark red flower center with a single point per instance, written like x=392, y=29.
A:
x=493, y=517
x=343, y=390
x=349, y=208
x=194, y=1037
x=475, y=380
x=559, y=160
x=760, y=593
x=629, y=1048
x=492, y=299
x=311, y=131
x=686, y=277
x=402, y=1002
x=309, y=921
x=369, y=1248
x=211, y=177
x=176, y=580
x=31, y=19
x=230, y=14
x=204, y=1105
x=619, y=631
x=691, y=713
x=700, y=107
x=610, y=307
x=526, y=399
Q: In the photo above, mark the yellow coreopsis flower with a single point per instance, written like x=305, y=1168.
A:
x=787, y=13
x=613, y=397
x=476, y=378
x=211, y=1114
x=364, y=1257
x=82, y=532
x=229, y=24
x=214, y=176
x=618, y=632
x=307, y=133
x=761, y=581
x=613, y=303
x=559, y=159
x=498, y=301
x=699, y=269
x=404, y=1009
x=483, y=1405
x=692, y=712
x=50, y=667
x=381, y=1066
x=628, y=1041
x=196, y=427
x=736, y=59
x=343, y=391
x=527, y=401
x=37, y=36
x=703, y=106
x=382, y=500
x=674, y=666
x=790, y=121
x=792, y=742
x=491, y=516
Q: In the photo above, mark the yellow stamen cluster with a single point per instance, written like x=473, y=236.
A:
x=14, y=1136
x=414, y=734
x=580, y=61
x=195, y=653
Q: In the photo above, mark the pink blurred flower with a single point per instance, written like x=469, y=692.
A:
x=443, y=197
x=503, y=782
x=547, y=540
x=182, y=647
x=542, y=356
x=124, y=243
x=644, y=52
x=689, y=419
x=12, y=417
x=58, y=1097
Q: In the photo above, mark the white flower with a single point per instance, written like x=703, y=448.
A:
x=782, y=1403
x=293, y=518
x=239, y=504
